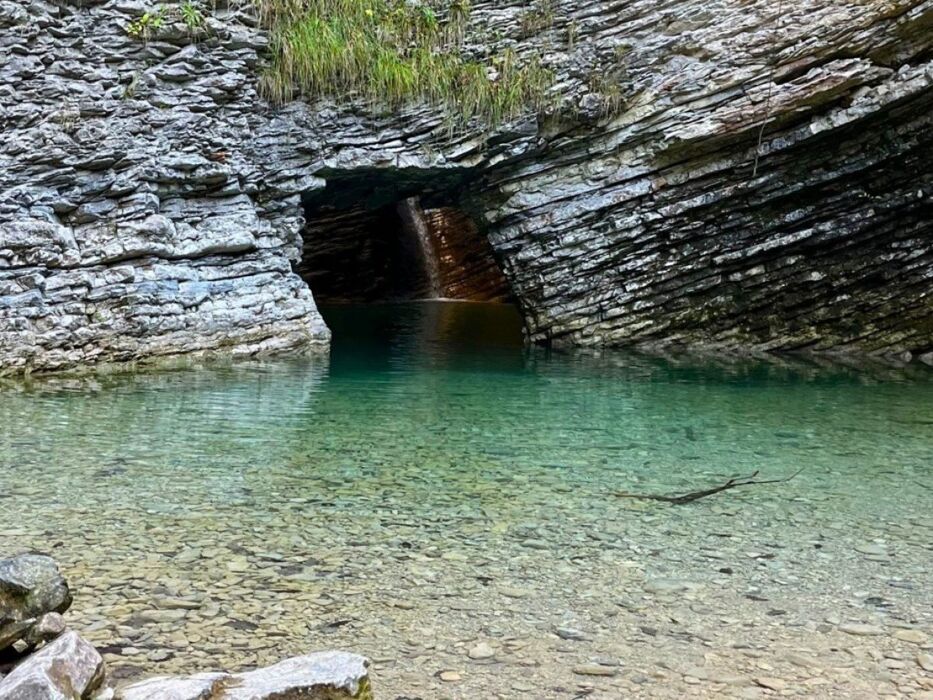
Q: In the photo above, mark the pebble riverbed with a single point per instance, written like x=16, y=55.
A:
x=455, y=519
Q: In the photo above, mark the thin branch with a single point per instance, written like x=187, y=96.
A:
x=732, y=483
x=771, y=73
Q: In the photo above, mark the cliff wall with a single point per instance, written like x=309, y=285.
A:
x=151, y=201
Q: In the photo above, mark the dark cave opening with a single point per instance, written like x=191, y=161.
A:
x=379, y=234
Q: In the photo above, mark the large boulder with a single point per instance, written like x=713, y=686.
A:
x=68, y=668
x=30, y=587
x=330, y=675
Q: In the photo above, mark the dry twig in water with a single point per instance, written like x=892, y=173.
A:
x=734, y=482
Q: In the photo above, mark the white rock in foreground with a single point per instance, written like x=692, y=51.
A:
x=201, y=686
x=330, y=675
x=325, y=671
x=67, y=669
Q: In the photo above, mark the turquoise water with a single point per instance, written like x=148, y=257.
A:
x=434, y=480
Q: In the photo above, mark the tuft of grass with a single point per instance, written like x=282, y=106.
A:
x=395, y=52
x=191, y=15
x=150, y=21
x=536, y=18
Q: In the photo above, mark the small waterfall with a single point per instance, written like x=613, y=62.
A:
x=413, y=219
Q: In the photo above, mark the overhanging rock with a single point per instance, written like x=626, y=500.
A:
x=765, y=184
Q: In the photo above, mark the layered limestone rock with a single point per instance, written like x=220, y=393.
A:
x=150, y=201
x=671, y=233
x=134, y=220
x=392, y=234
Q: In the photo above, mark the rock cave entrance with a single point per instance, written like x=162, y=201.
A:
x=396, y=235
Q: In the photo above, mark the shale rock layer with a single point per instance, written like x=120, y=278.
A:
x=762, y=183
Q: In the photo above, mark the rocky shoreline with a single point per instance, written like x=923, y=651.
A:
x=41, y=659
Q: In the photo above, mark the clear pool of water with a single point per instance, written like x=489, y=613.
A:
x=433, y=488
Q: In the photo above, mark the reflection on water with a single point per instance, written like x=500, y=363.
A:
x=425, y=336
x=434, y=482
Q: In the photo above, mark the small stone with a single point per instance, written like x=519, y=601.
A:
x=594, y=670
x=571, y=633
x=665, y=586
x=449, y=676
x=727, y=678
x=802, y=660
x=238, y=564
x=481, y=651
x=49, y=626
x=177, y=604
x=750, y=693
x=187, y=556
x=860, y=630
x=912, y=636
x=875, y=550
x=168, y=615
x=925, y=662
x=512, y=592
x=158, y=655
x=771, y=683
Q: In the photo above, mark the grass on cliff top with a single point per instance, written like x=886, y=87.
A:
x=394, y=52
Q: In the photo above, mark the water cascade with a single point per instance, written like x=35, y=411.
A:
x=376, y=236
x=414, y=223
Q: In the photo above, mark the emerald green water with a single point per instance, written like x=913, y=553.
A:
x=432, y=485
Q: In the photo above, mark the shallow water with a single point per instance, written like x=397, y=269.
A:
x=433, y=488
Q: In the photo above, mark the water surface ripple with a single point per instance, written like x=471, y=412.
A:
x=434, y=491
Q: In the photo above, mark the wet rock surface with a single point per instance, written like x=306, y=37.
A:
x=68, y=668
x=150, y=201
x=32, y=594
x=201, y=686
x=325, y=675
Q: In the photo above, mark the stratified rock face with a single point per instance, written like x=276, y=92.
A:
x=467, y=265
x=32, y=592
x=150, y=202
x=667, y=233
x=378, y=235
x=67, y=669
x=132, y=222
x=329, y=675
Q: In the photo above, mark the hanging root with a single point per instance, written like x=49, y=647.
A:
x=771, y=73
x=734, y=482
